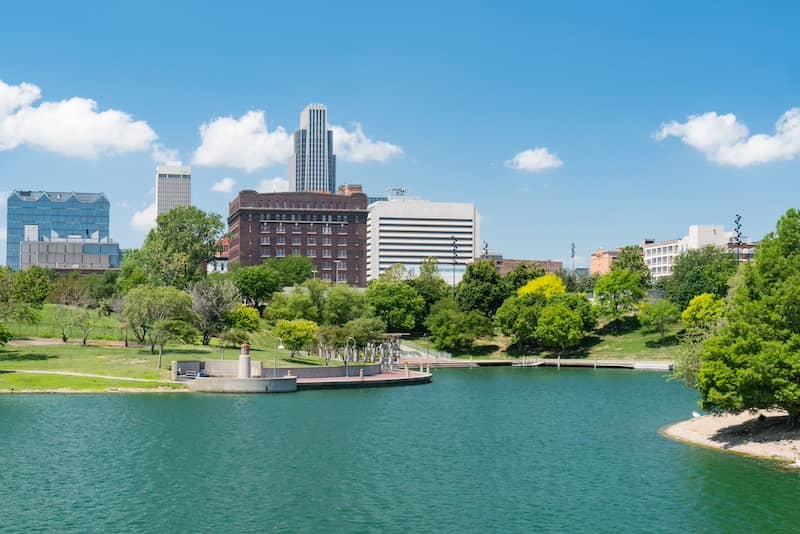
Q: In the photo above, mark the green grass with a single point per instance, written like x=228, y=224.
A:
x=106, y=327
x=42, y=382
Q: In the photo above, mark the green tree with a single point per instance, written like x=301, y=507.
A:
x=132, y=272
x=548, y=286
x=365, y=330
x=85, y=320
x=396, y=303
x=175, y=251
x=695, y=272
x=518, y=317
x=658, y=317
x=631, y=258
x=454, y=330
x=703, y=313
x=232, y=338
x=295, y=334
x=559, y=327
x=212, y=302
x=618, y=292
x=257, y=284
x=33, y=285
x=429, y=284
x=71, y=295
x=244, y=318
x=522, y=274
x=342, y=304
x=317, y=291
x=578, y=302
x=753, y=360
x=167, y=330
x=14, y=303
x=5, y=334
x=295, y=305
x=330, y=339
x=146, y=306
x=481, y=289
x=292, y=270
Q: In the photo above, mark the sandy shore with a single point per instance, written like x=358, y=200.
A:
x=763, y=435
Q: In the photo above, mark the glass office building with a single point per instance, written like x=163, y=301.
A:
x=34, y=215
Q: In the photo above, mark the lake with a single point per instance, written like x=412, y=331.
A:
x=477, y=450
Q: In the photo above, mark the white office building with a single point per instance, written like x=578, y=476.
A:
x=660, y=256
x=406, y=231
x=312, y=166
x=173, y=186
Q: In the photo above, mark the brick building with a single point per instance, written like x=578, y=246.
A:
x=328, y=229
x=506, y=265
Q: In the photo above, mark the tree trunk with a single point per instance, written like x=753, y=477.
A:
x=206, y=339
x=152, y=347
x=160, y=350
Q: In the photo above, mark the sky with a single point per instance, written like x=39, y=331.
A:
x=598, y=123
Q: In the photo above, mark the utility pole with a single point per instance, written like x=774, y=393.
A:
x=572, y=255
x=455, y=259
x=485, y=247
x=737, y=224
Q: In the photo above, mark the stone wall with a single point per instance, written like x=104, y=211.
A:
x=243, y=385
x=324, y=372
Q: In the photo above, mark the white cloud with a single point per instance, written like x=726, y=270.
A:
x=162, y=154
x=72, y=127
x=224, y=186
x=273, y=185
x=243, y=143
x=145, y=219
x=356, y=147
x=725, y=140
x=534, y=160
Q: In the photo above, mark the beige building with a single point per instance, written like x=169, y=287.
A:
x=602, y=260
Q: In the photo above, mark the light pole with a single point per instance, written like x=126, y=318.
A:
x=738, y=227
x=278, y=345
x=347, y=352
x=572, y=255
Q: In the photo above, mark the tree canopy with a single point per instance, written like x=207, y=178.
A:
x=455, y=330
x=295, y=334
x=618, y=292
x=547, y=285
x=658, y=316
x=706, y=270
x=481, y=289
x=257, y=283
x=396, y=303
x=631, y=258
x=559, y=327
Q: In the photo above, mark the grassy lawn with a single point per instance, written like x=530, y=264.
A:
x=39, y=382
x=626, y=341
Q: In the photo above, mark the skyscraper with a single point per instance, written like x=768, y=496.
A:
x=38, y=215
x=312, y=166
x=173, y=186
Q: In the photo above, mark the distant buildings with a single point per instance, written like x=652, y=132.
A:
x=660, y=256
x=312, y=166
x=505, y=265
x=59, y=230
x=328, y=229
x=173, y=186
x=602, y=260
x=406, y=231
x=220, y=262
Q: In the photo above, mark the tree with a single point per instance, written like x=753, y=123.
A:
x=167, y=330
x=522, y=274
x=295, y=334
x=342, y=304
x=695, y=272
x=131, y=273
x=481, y=289
x=578, y=283
x=330, y=338
x=429, y=284
x=146, y=306
x=291, y=270
x=175, y=251
x=85, y=320
x=5, y=335
x=317, y=291
x=395, y=273
x=257, y=284
x=454, y=330
x=295, y=305
x=703, y=313
x=212, y=302
x=578, y=302
x=396, y=303
x=33, y=285
x=71, y=295
x=559, y=327
x=547, y=285
x=658, y=316
x=14, y=303
x=365, y=330
x=618, y=292
x=753, y=360
x=244, y=318
x=631, y=259
x=233, y=337
x=518, y=317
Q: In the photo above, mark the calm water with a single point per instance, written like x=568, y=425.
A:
x=478, y=450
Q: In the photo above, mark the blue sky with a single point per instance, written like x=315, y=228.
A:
x=446, y=94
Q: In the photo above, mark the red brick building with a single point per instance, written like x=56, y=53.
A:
x=328, y=229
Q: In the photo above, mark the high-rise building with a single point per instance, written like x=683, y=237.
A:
x=407, y=231
x=34, y=215
x=312, y=166
x=328, y=229
x=173, y=186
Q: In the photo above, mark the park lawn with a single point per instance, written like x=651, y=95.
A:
x=41, y=382
x=106, y=327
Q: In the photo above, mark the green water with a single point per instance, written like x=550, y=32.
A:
x=516, y=450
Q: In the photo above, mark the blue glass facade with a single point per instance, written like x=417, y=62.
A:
x=68, y=214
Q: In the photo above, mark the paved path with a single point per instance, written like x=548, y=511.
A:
x=89, y=375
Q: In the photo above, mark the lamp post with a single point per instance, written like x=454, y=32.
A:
x=278, y=345
x=347, y=351
x=572, y=255
x=738, y=228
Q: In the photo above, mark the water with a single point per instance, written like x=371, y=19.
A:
x=478, y=450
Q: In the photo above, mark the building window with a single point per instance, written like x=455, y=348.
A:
x=311, y=253
x=326, y=241
x=281, y=229
x=295, y=252
x=281, y=241
x=311, y=241
x=280, y=253
x=326, y=253
x=264, y=240
x=326, y=229
x=342, y=242
x=341, y=254
x=296, y=240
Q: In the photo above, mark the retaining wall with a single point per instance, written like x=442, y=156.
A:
x=243, y=385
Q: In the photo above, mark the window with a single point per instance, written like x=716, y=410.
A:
x=326, y=276
x=326, y=229
x=280, y=253
x=296, y=240
x=281, y=241
x=264, y=240
x=326, y=253
x=296, y=229
x=264, y=228
x=326, y=241
x=281, y=229
x=295, y=252
x=341, y=254
x=342, y=242
x=311, y=253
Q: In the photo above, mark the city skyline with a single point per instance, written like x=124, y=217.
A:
x=611, y=138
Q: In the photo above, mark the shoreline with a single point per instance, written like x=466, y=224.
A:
x=763, y=435
x=67, y=391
